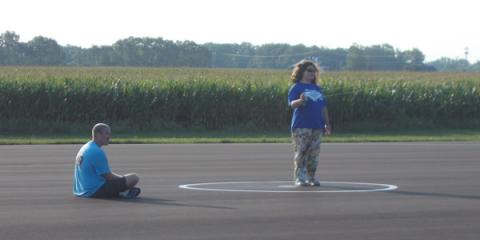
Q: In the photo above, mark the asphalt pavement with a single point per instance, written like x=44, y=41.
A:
x=437, y=196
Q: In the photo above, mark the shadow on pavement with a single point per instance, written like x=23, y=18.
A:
x=163, y=202
x=443, y=195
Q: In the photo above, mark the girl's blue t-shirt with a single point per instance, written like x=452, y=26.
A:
x=310, y=114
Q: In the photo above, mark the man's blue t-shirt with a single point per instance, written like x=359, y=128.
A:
x=91, y=162
x=310, y=114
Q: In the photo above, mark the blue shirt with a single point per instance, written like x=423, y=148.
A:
x=309, y=115
x=91, y=162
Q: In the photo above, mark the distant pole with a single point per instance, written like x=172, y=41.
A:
x=214, y=55
x=466, y=54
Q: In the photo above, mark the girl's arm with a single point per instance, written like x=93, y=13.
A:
x=299, y=102
x=328, y=129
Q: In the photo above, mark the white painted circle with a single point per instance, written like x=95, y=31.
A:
x=287, y=186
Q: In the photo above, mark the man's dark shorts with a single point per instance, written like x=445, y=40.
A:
x=111, y=188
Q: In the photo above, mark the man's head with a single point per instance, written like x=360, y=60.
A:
x=101, y=134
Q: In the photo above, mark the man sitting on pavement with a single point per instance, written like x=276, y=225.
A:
x=92, y=175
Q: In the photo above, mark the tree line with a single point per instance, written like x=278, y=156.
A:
x=159, y=52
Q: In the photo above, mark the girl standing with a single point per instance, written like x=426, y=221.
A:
x=309, y=121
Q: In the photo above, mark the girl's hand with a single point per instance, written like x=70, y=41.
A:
x=302, y=96
x=304, y=99
x=327, y=130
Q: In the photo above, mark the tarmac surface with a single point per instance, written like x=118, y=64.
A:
x=438, y=194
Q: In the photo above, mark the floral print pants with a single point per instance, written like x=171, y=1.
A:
x=306, y=145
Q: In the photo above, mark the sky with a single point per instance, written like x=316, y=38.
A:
x=438, y=28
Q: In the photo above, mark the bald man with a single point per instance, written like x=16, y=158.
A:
x=92, y=175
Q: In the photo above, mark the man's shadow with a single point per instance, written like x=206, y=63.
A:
x=161, y=202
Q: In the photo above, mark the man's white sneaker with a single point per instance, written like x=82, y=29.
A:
x=131, y=193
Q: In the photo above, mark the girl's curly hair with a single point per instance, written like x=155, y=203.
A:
x=299, y=69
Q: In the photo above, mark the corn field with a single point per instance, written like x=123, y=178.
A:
x=145, y=98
